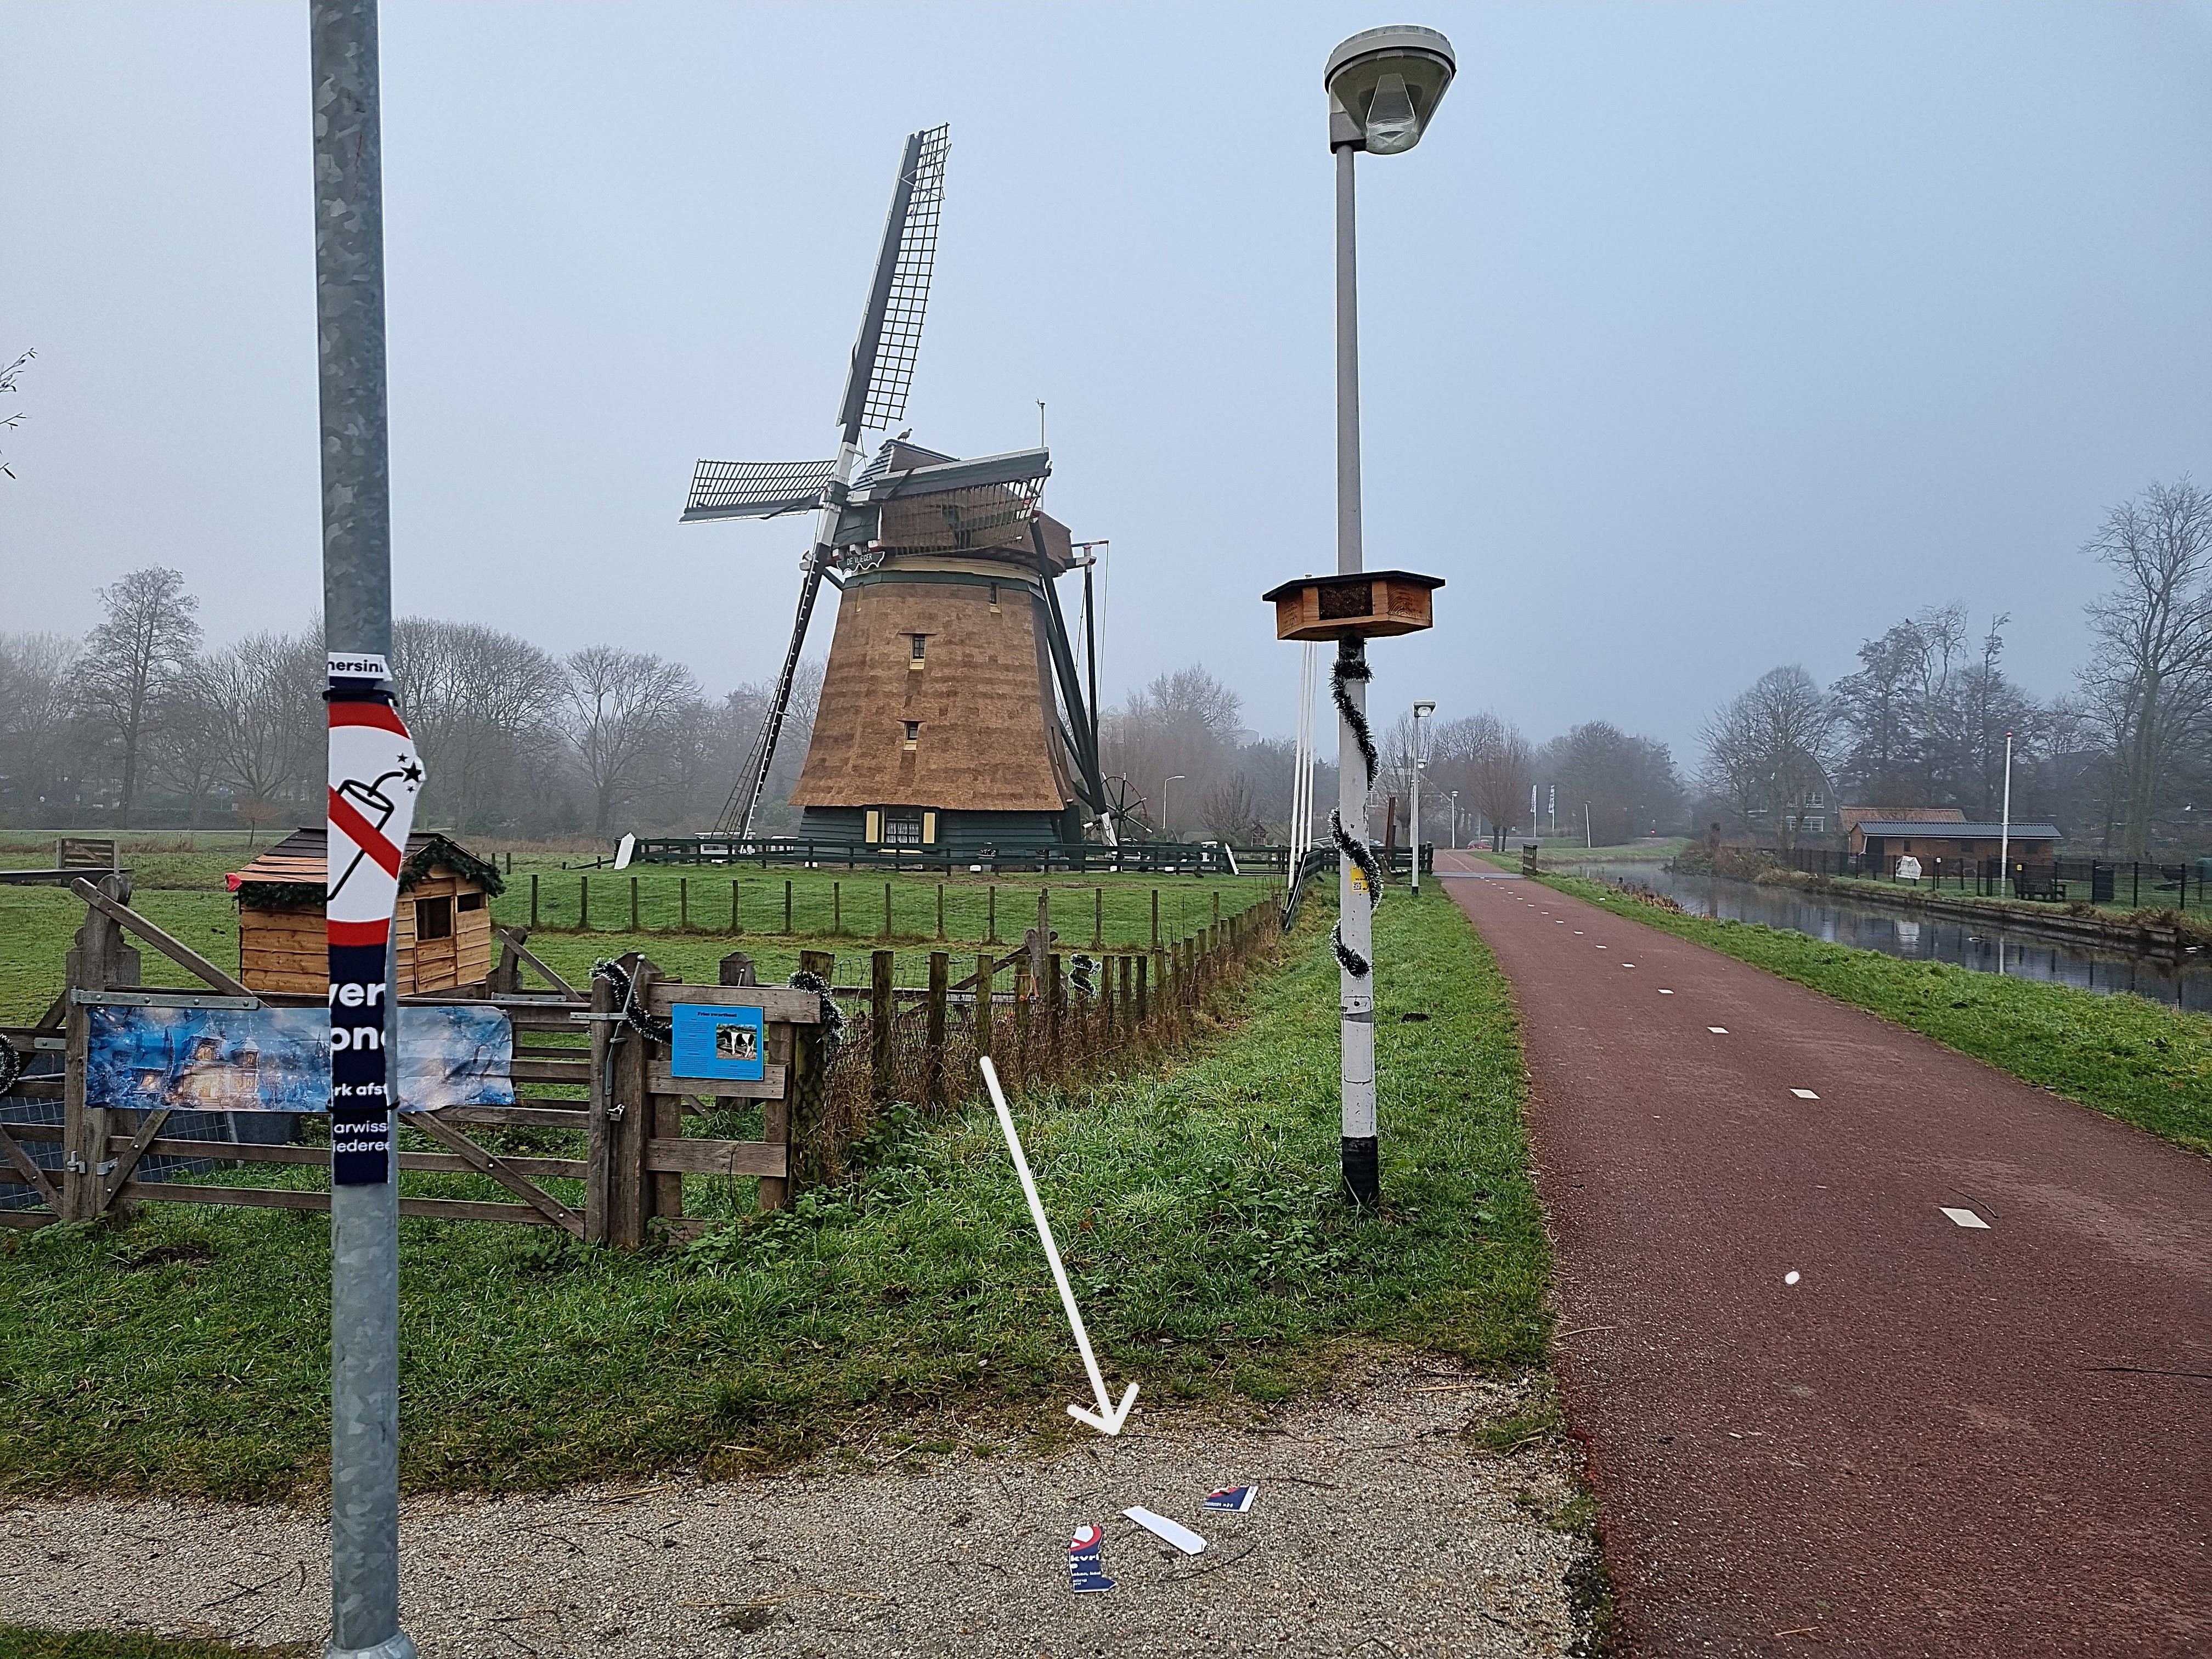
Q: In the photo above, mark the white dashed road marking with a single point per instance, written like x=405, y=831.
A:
x=1804, y=1094
x=1964, y=1218
x=1664, y=992
x=1718, y=1031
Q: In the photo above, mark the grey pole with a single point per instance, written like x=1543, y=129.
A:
x=1355, y=992
x=357, y=617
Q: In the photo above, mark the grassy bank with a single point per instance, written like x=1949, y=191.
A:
x=2126, y=1056
x=186, y=1350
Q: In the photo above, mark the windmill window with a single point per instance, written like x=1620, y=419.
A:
x=994, y=596
x=913, y=731
x=920, y=646
x=902, y=826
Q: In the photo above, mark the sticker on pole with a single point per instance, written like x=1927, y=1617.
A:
x=374, y=780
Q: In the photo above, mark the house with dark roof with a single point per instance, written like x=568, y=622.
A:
x=1955, y=841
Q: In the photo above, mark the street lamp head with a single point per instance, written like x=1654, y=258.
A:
x=1383, y=85
x=1423, y=710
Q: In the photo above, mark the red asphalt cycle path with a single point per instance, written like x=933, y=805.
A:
x=1940, y=1440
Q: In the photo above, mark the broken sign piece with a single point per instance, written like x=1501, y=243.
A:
x=1160, y=1527
x=1231, y=1500
x=1084, y=1572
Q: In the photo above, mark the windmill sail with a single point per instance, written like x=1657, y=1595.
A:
x=875, y=395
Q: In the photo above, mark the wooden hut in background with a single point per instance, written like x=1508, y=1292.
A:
x=443, y=925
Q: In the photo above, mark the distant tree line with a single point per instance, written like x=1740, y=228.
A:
x=2125, y=762
x=140, y=723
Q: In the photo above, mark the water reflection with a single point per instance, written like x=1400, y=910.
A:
x=2187, y=984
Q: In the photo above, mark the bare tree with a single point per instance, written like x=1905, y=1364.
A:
x=1628, y=785
x=1768, y=750
x=7, y=379
x=625, y=712
x=1182, y=723
x=39, y=767
x=2149, y=677
x=264, y=695
x=483, y=708
x=134, y=660
x=1499, y=771
x=1227, y=811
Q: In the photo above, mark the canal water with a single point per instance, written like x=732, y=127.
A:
x=2183, y=984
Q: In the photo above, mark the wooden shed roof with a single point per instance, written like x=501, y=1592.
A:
x=302, y=860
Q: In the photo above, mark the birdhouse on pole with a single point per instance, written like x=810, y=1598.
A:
x=1368, y=604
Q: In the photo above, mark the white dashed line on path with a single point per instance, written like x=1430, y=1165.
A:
x=1964, y=1218
x=1664, y=992
x=1804, y=1094
x=1718, y=1031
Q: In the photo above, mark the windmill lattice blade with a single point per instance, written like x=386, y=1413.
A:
x=885, y=405
x=755, y=489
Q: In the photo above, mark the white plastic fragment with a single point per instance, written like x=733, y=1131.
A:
x=1173, y=1531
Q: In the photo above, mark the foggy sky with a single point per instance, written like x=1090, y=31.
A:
x=1697, y=338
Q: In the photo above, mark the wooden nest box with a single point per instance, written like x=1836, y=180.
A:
x=442, y=928
x=1370, y=604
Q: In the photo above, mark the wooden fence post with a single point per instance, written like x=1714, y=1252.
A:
x=883, y=1028
x=736, y=923
x=1156, y=918
x=533, y=901
x=1217, y=904
x=940, y=975
x=1099, y=918
x=633, y=904
x=598, y=1157
x=628, y=1119
x=1024, y=994
x=1044, y=922
x=583, y=905
x=1147, y=976
x=1131, y=1015
x=1055, y=1009
x=990, y=916
x=683, y=904
x=887, y=909
x=102, y=958
x=984, y=965
x=836, y=907
x=940, y=913
x=786, y=905
x=809, y=1066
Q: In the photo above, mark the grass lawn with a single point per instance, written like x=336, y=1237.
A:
x=20, y=1642
x=183, y=893
x=2126, y=1056
x=187, y=1350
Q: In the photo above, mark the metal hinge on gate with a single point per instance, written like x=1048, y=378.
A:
x=615, y=1113
x=73, y=1165
x=108, y=1168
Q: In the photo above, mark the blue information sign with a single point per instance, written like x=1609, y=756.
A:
x=710, y=1041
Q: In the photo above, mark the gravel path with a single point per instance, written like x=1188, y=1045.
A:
x=1879, y=1351
x=1379, y=1529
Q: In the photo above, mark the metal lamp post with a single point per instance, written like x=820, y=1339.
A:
x=1177, y=778
x=1454, y=827
x=1383, y=85
x=357, y=625
x=1421, y=713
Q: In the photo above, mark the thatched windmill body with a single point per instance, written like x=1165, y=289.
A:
x=952, y=714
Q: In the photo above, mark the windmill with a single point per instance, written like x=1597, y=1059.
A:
x=951, y=714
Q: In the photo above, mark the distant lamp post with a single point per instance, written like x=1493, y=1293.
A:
x=1383, y=85
x=1164, y=830
x=1454, y=827
x=1421, y=713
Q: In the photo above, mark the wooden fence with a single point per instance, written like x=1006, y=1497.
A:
x=601, y=1135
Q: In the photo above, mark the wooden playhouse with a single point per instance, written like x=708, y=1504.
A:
x=442, y=928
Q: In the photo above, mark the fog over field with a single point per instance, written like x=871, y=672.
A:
x=1697, y=340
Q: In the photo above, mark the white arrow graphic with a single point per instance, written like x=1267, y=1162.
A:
x=1109, y=1417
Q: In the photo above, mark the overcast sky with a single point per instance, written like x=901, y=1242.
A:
x=1698, y=338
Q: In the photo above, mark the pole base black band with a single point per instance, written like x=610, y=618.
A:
x=1363, y=1179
